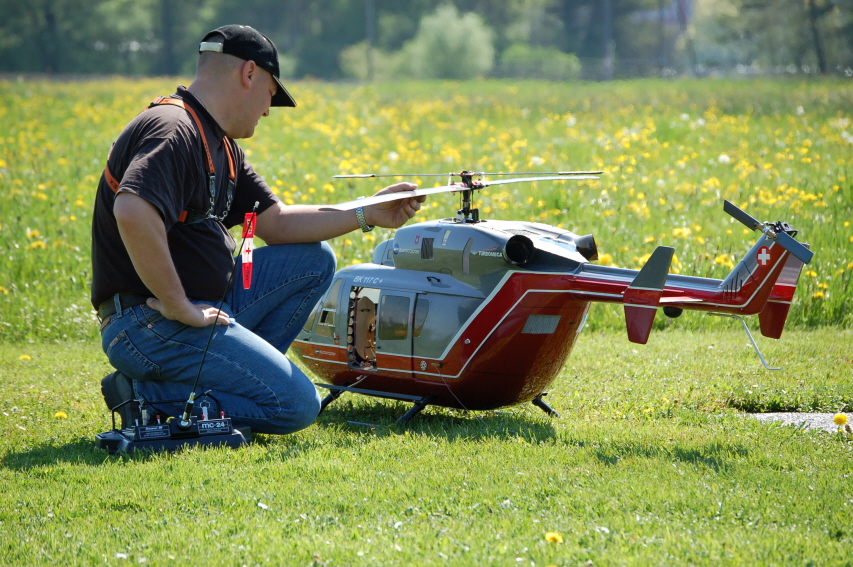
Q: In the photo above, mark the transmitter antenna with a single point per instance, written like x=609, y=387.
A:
x=248, y=232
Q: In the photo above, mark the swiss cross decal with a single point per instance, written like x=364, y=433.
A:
x=763, y=255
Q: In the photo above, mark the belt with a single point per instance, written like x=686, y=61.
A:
x=108, y=308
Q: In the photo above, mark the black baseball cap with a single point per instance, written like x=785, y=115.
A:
x=248, y=43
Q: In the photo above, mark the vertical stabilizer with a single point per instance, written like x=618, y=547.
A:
x=642, y=297
x=772, y=318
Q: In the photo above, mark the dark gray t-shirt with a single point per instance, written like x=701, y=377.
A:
x=160, y=157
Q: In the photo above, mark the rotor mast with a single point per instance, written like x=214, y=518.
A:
x=466, y=214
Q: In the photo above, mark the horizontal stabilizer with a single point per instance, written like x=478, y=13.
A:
x=643, y=296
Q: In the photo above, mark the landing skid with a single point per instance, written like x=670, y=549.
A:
x=420, y=402
x=543, y=405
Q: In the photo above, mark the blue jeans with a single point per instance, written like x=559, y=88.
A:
x=245, y=369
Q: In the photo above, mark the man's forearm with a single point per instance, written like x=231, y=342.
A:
x=303, y=223
x=144, y=237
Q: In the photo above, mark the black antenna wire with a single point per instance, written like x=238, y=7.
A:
x=188, y=408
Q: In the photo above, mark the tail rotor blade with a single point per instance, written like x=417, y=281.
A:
x=799, y=251
x=784, y=239
x=740, y=215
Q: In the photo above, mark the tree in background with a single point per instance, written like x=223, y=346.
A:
x=528, y=38
x=61, y=36
x=449, y=45
x=792, y=34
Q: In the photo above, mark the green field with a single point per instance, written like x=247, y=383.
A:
x=654, y=460
x=650, y=463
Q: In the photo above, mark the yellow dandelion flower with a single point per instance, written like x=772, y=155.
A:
x=554, y=537
x=819, y=295
x=811, y=273
x=347, y=242
x=25, y=357
x=840, y=419
x=724, y=260
x=60, y=415
x=3, y=290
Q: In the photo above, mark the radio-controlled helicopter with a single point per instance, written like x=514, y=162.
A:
x=479, y=314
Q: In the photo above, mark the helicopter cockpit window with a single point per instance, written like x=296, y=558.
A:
x=326, y=324
x=393, y=318
x=427, y=248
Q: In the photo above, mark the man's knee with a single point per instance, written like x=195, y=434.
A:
x=302, y=414
x=309, y=412
x=328, y=257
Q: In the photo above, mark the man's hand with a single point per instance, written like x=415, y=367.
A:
x=189, y=313
x=394, y=214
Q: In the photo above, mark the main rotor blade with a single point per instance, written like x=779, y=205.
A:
x=795, y=248
x=387, y=197
x=505, y=181
x=741, y=215
x=369, y=175
x=547, y=173
x=454, y=174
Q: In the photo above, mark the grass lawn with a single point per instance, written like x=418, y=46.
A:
x=651, y=463
x=653, y=460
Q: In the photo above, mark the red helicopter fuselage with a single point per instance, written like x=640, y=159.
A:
x=483, y=315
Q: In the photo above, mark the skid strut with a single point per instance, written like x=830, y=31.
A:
x=543, y=405
x=420, y=402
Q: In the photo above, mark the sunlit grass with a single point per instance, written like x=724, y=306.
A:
x=651, y=462
x=670, y=152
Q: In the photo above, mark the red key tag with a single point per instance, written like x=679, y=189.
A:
x=249, y=225
x=247, y=249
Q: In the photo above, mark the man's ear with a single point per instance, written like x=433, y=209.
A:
x=248, y=73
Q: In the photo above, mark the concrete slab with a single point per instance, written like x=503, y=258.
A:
x=821, y=421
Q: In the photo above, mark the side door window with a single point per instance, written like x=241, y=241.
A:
x=394, y=320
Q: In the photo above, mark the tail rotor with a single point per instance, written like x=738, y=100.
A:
x=778, y=231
